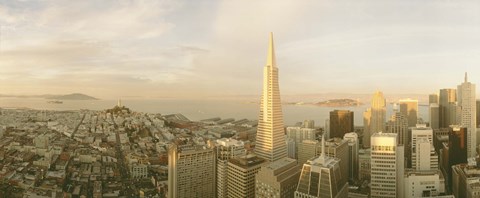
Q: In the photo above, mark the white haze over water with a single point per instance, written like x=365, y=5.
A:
x=200, y=109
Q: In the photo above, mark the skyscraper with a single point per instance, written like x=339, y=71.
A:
x=241, y=175
x=367, y=116
x=298, y=134
x=409, y=108
x=337, y=148
x=434, y=115
x=447, y=102
x=457, y=149
x=278, y=179
x=321, y=177
x=306, y=150
x=377, y=117
x=364, y=165
x=326, y=131
x=341, y=122
x=468, y=107
x=309, y=124
x=226, y=149
x=422, y=151
x=352, y=139
x=478, y=113
x=270, y=143
x=398, y=124
x=432, y=98
x=387, y=161
x=191, y=169
x=465, y=180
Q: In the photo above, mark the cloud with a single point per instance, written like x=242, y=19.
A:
x=108, y=20
x=160, y=48
x=104, y=44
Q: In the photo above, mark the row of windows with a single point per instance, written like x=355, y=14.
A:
x=383, y=148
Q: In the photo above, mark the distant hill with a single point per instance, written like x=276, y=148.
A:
x=331, y=103
x=73, y=96
x=339, y=103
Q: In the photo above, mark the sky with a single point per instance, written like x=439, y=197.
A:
x=195, y=49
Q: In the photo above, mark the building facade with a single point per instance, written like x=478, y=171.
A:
x=434, y=115
x=241, y=175
x=468, y=105
x=270, y=139
x=191, y=170
x=353, y=147
x=433, y=98
x=341, y=122
x=375, y=117
x=424, y=156
x=278, y=179
x=429, y=183
x=398, y=124
x=466, y=181
x=447, y=107
x=226, y=149
x=306, y=150
x=321, y=177
x=387, y=166
x=367, y=117
x=298, y=134
x=457, y=149
x=409, y=108
x=364, y=165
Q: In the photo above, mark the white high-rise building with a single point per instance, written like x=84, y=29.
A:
x=353, y=147
x=270, y=143
x=468, y=118
x=423, y=153
x=387, y=162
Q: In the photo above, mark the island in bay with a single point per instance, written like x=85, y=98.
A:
x=331, y=103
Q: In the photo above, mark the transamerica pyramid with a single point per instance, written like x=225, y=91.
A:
x=270, y=143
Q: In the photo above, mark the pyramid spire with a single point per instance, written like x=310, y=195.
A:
x=466, y=77
x=271, y=52
x=270, y=133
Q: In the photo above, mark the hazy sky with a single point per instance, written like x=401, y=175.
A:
x=112, y=49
